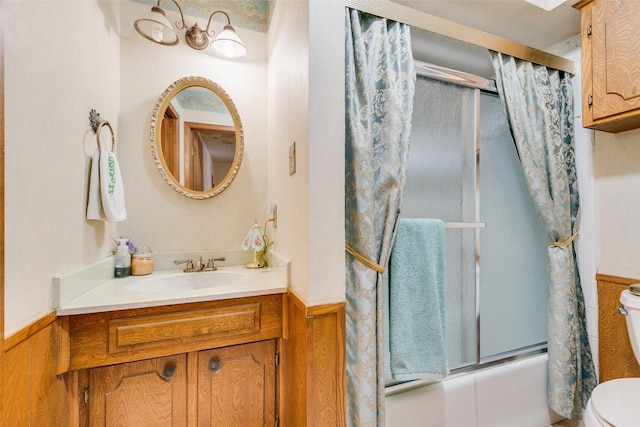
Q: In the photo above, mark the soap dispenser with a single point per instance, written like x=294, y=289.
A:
x=123, y=260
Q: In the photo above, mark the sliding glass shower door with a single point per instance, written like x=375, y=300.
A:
x=463, y=168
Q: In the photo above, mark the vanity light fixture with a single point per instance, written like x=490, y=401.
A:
x=156, y=27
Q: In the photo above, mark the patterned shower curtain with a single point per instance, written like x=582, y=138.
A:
x=539, y=105
x=380, y=83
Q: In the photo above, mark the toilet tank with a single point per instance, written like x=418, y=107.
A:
x=631, y=304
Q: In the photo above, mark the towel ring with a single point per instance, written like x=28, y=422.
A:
x=113, y=138
x=96, y=124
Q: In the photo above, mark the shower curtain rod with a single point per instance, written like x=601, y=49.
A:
x=434, y=24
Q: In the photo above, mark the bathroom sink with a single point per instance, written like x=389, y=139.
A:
x=188, y=281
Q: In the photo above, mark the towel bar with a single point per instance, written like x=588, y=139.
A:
x=465, y=225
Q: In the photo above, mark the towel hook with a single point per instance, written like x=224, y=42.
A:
x=96, y=124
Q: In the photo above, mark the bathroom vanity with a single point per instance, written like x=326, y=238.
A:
x=182, y=357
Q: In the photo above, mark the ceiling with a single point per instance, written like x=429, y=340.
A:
x=251, y=14
x=515, y=20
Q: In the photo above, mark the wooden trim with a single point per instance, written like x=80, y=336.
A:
x=72, y=384
x=63, y=355
x=435, y=24
x=616, y=358
x=29, y=331
x=314, y=310
x=319, y=310
x=313, y=370
x=616, y=279
x=581, y=4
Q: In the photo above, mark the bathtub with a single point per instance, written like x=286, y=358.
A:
x=513, y=394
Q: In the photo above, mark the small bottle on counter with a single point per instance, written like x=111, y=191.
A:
x=123, y=260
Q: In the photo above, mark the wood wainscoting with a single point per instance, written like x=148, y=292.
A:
x=312, y=380
x=31, y=393
x=616, y=358
x=313, y=365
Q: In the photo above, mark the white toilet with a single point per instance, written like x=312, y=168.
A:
x=615, y=403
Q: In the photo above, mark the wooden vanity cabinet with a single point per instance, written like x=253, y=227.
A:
x=150, y=392
x=236, y=385
x=229, y=386
x=610, y=38
x=200, y=364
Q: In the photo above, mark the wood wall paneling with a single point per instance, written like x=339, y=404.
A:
x=31, y=392
x=294, y=365
x=15, y=386
x=616, y=358
x=314, y=365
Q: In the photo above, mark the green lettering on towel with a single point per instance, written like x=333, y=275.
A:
x=112, y=174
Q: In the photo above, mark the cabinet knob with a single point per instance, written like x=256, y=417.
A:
x=169, y=370
x=214, y=365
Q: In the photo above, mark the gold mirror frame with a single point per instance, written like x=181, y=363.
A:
x=156, y=143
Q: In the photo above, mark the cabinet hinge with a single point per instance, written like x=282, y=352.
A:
x=589, y=30
x=277, y=358
x=86, y=394
x=277, y=421
x=590, y=100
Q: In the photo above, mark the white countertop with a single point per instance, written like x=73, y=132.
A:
x=93, y=289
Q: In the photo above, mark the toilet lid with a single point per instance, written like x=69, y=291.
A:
x=616, y=402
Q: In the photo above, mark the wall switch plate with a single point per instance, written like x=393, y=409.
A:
x=292, y=159
x=274, y=214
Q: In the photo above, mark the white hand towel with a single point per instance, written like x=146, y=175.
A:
x=94, y=205
x=111, y=187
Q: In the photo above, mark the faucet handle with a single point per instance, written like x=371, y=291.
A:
x=211, y=265
x=189, y=263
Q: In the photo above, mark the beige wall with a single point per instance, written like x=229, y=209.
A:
x=306, y=105
x=157, y=215
x=53, y=77
x=288, y=100
x=617, y=172
x=326, y=151
x=51, y=84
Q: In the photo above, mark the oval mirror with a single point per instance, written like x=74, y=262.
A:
x=197, y=140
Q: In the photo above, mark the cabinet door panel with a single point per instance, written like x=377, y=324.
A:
x=616, y=57
x=236, y=386
x=147, y=393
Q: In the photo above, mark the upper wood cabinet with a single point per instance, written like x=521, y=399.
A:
x=610, y=38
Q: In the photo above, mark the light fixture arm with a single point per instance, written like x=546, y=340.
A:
x=155, y=27
x=211, y=18
x=179, y=25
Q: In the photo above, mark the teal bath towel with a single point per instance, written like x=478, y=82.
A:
x=417, y=338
